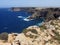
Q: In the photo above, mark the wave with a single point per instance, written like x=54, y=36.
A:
x=39, y=24
x=24, y=18
x=20, y=17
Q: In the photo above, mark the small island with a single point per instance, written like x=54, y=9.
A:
x=22, y=8
x=15, y=9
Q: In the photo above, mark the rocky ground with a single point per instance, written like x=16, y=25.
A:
x=47, y=34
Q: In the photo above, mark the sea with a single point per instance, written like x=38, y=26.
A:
x=15, y=21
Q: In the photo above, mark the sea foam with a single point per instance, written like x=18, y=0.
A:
x=24, y=18
x=20, y=16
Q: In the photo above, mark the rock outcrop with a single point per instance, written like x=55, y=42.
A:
x=47, y=34
x=46, y=13
x=22, y=8
x=11, y=37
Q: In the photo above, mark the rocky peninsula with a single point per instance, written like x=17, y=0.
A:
x=36, y=13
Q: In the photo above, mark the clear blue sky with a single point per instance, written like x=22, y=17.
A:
x=29, y=3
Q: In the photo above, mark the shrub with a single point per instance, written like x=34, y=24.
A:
x=25, y=31
x=43, y=27
x=4, y=36
x=34, y=31
x=57, y=36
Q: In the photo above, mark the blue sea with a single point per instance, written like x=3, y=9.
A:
x=11, y=21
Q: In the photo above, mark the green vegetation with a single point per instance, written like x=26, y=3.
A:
x=25, y=31
x=31, y=36
x=52, y=23
x=4, y=36
x=57, y=36
x=42, y=27
x=32, y=30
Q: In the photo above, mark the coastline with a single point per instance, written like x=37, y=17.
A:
x=46, y=32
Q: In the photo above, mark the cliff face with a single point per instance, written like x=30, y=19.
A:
x=47, y=34
x=46, y=13
x=22, y=8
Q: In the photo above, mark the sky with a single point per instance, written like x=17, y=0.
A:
x=29, y=3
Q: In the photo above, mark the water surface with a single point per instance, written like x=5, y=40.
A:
x=14, y=21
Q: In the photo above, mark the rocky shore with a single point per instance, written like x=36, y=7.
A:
x=36, y=13
x=46, y=13
x=47, y=34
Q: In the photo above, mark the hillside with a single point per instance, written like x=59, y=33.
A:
x=47, y=34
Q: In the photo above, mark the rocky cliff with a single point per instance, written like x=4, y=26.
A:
x=46, y=13
x=22, y=8
x=47, y=34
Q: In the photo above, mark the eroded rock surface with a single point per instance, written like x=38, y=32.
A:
x=47, y=34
